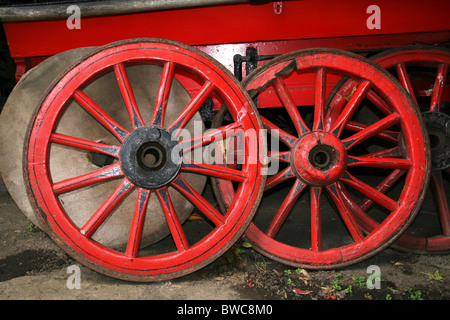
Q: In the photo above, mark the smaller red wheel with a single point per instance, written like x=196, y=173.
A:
x=153, y=158
x=423, y=71
x=321, y=166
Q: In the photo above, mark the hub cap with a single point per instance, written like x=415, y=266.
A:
x=150, y=157
x=319, y=158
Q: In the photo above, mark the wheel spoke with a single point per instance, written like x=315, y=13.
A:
x=103, y=174
x=275, y=131
x=137, y=225
x=378, y=162
x=106, y=208
x=370, y=192
x=173, y=222
x=337, y=196
x=278, y=178
x=319, y=96
x=127, y=95
x=211, y=136
x=163, y=94
x=372, y=130
x=404, y=79
x=438, y=87
x=383, y=186
x=191, y=108
x=289, y=104
x=379, y=102
x=83, y=144
x=386, y=134
x=285, y=208
x=95, y=111
x=280, y=156
x=351, y=106
x=198, y=201
x=440, y=196
x=316, y=221
x=343, y=94
x=388, y=153
x=213, y=171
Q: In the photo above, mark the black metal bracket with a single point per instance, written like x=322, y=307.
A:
x=251, y=61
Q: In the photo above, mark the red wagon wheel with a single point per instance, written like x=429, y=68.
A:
x=423, y=71
x=325, y=167
x=150, y=161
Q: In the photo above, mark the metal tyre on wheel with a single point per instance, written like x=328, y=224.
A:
x=327, y=165
x=423, y=71
x=151, y=160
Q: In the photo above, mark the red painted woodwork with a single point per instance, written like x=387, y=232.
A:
x=301, y=24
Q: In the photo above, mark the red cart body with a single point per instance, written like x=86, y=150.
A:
x=226, y=30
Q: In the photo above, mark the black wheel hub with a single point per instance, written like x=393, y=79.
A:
x=150, y=157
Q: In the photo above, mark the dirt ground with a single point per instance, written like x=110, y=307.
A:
x=32, y=267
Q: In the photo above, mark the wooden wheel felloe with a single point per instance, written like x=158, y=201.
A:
x=423, y=71
x=151, y=160
x=327, y=165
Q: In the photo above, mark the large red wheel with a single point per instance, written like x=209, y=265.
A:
x=151, y=158
x=423, y=71
x=20, y=108
x=306, y=216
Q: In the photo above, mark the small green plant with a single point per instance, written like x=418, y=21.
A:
x=31, y=227
x=361, y=281
x=261, y=264
x=246, y=245
x=337, y=284
x=416, y=295
x=349, y=289
x=287, y=272
x=289, y=282
x=388, y=297
x=434, y=276
x=238, y=251
x=233, y=254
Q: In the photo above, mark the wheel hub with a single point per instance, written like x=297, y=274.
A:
x=319, y=158
x=438, y=125
x=150, y=157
